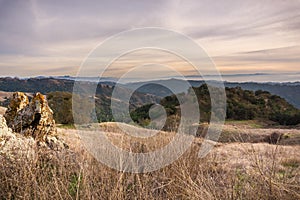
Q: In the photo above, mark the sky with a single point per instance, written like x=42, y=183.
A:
x=50, y=38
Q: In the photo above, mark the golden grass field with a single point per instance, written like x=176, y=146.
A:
x=232, y=170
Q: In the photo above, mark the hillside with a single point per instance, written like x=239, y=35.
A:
x=241, y=105
x=59, y=93
x=288, y=91
x=47, y=85
x=61, y=103
x=32, y=85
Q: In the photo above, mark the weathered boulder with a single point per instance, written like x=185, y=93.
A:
x=34, y=118
x=18, y=101
x=16, y=146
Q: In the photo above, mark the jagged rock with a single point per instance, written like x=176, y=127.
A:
x=12, y=143
x=18, y=102
x=34, y=118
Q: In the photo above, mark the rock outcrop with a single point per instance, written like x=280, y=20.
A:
x=13, y=146
x=34, y=118
x=18, y=101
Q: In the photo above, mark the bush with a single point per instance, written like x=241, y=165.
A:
x=286, y=118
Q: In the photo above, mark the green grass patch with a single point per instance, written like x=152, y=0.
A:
x=249, y=123
x=66, y=126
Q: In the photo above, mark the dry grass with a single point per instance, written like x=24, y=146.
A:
x=230, y=171
x=252, y=131
x=2, y=110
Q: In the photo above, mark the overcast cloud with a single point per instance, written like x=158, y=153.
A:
x=53, y=37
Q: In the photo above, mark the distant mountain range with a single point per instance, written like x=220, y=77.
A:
x=287, y=90
x=238, y=77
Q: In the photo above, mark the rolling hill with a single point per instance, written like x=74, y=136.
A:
x=288, y=91
x=241, y=105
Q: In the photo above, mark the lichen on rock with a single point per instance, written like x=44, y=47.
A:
x=29, y=118
x=34, y=118
x=18, y=101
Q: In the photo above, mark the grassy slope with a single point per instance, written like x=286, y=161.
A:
x=230, y=171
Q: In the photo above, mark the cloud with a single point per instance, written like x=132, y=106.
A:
x=277, y=55
x=30, y=26
x=285, y=59
x=239, y=35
